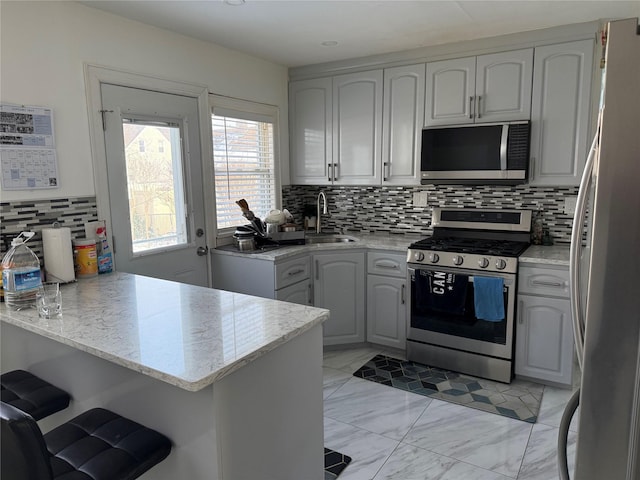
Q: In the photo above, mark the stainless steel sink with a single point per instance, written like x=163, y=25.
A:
x=329, y=238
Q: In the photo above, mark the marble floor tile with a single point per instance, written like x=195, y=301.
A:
x=349, y=360
x=482, y=439
x=380, y=409
x=412, y=463
x=552, y=407
x=540, y=459
x=333, y=379
x=367, y=450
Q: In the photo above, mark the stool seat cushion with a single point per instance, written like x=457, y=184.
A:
x=31, y=394
x=102, y=445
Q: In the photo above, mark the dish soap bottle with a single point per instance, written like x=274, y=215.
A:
x=537, y=229
x=21, y=274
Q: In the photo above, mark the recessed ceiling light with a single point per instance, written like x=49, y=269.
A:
x=234, y=3
x=329, y=43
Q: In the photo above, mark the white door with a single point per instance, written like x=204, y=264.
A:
x=155, y=183
x=450, y=91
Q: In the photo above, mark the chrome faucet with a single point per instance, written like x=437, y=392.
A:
x=324, y=210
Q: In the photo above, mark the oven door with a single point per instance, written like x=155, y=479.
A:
x=461, y=330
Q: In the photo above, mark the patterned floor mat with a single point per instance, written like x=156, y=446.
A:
x=519, y=399
x=334, y=463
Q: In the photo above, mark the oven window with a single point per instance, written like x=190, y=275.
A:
x=460, y=321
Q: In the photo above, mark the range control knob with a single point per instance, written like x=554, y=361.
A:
x=434, y=257
x=457, y=260
x=419, y=256
x=483, y=262
x=501, y=264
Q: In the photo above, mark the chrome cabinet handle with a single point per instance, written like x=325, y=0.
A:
x=391, y=266
x=335, y=170
x=471, y=106
x=548, y=284
x=329, y=171
x=310, y=295
x=295, y=272
x=402, y=297
x=317, y=271
x=385, y=171
x=479, y=110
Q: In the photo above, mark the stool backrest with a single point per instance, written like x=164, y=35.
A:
x=24, y=453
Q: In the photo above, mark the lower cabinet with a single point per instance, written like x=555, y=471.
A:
x=339, y=285
x=387, y=305
x=298, y=293
x=544, y=330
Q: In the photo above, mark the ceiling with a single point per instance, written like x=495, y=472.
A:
x=291, y=32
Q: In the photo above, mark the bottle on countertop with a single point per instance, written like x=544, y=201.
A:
x=21, y=276
x=537, y=229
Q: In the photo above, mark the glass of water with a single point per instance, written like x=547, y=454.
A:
x=49, y=300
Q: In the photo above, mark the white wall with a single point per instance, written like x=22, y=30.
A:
x=43, y=46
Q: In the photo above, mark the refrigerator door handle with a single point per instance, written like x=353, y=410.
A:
x=576, y=250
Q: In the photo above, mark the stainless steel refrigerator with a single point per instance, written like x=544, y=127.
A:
x=606, y=288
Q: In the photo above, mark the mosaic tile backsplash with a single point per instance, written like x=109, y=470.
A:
x=36, y=215
x=391, y=209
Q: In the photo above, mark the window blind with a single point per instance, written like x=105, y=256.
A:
x=244, y=167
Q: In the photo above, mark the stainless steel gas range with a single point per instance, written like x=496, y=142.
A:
x=463, y=291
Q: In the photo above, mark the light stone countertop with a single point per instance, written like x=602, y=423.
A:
x=398, y=243
x=546, y=255
x=184, y=335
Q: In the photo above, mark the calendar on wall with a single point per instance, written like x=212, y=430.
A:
x=27, y=148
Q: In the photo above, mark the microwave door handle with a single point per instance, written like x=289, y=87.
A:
x=503, y=147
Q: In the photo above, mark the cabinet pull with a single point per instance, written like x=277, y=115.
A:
x=520, y=319
x=310, y=295
x=471, y=106
x=335, y=170
x=329, y=171
x=548, y=284
x=317, y=271
x=385, y=171
x=295, y=272
x=479, y=109
x=402, y=298
x=392, y=266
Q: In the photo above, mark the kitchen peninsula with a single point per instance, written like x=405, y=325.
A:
x=234, y=381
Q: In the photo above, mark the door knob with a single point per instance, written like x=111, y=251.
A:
x=201, y=251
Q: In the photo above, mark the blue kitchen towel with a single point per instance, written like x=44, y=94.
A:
x=488, y=298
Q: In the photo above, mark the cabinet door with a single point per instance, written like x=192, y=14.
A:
x=544, y=339
x=310, y=121
x=560, y=112
x=357, y=124
x=297, y=293
x=339, y=285
x=450, y=91
x=402, y=124
x=386, y=311
x=503, y=86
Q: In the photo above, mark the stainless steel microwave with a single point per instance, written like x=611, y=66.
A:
x=481, y=154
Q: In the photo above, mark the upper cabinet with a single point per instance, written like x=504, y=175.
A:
x=487, y=88
x=561, y=112
x=311, y=120
x=357, y=126
x=403, y=114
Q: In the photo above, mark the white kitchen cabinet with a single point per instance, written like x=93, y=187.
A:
x=339, y=285
x=297, y=293
x=560, y=112
x=357, y=128
x=488, y=88
x=387, y=305
x=311, y=132
x=544, y=330
x=403, y=113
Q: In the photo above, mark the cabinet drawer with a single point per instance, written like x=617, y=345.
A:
x=389, y=264
x=292, y=271
x=547, y=281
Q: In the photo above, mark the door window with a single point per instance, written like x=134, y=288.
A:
x=155, y=184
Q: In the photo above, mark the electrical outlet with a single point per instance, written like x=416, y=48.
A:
x=570, y=205
x=420, y=199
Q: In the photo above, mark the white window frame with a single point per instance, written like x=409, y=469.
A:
x=228, y=106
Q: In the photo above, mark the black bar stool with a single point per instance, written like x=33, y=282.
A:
x=31, y=394
x=97, y=444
